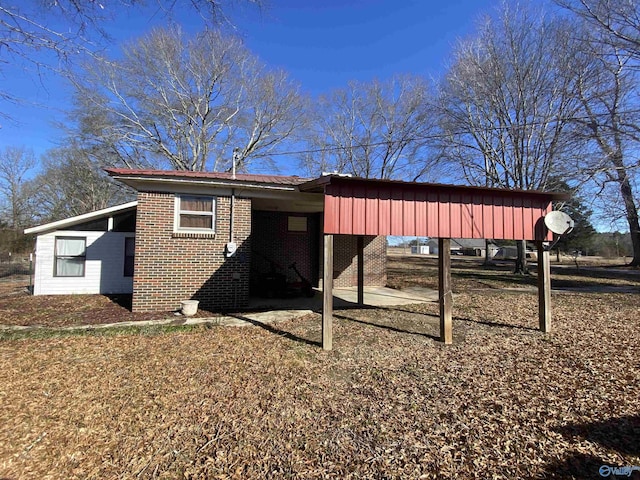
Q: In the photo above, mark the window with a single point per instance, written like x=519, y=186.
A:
x=195, y=213
x=70, y=256
x=297, y=224
x=129, y=255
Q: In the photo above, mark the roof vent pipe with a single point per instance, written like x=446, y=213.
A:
x=234, y=161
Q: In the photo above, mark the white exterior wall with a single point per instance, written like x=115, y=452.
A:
x=104, y=267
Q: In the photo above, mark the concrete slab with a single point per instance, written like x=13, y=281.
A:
x=347, y=297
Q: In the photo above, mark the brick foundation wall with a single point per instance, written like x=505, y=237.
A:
x=170, y=267
x=345, y=269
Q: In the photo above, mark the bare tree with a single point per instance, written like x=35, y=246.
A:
x=186, y=103
x=609, y=124
x=68, y=27
x=507, y=101
x=609, y=31
x=618, y=20
x=377, y=129
x=71, y=183
x=15, y=202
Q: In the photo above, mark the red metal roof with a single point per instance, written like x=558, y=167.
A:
x=359, y=206
x=355, y=206
x=240, y=177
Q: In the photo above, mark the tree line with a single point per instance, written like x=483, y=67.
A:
x=533, y=100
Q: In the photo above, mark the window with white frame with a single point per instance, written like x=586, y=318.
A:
x=70, y=256
x=195, y=213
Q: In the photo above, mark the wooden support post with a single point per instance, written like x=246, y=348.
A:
x=327, y=294
x=544, y=288
x=360, y=248
x=444, y=289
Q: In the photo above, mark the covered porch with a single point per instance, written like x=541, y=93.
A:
x=360, y=207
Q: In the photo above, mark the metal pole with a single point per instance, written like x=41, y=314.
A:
x=31, y=273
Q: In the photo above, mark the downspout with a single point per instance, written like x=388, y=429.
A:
x=233, y=202
x=234, y=159
x=231, y=246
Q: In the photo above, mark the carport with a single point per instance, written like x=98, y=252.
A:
x=357, y=206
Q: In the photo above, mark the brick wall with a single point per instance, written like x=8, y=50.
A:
x=274, y=242
x=345, y=269
x=173, y=267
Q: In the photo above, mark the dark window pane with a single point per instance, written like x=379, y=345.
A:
x=129, y=250
x=125, y=222
x=129, y=246
x=196, y=221
x=196, y=204
x=100, y=225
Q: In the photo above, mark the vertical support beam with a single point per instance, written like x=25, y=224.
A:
x=327, y=294
x=360, y=248
x=544, y=288
x=444, y=289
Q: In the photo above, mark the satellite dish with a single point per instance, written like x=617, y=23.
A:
x=558, y=222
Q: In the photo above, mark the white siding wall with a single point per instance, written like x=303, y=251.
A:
x=104, y=268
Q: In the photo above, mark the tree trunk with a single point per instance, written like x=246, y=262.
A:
x=631, y=210
x=487, y=254
x=521, y=259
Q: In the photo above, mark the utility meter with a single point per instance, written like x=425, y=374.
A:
x=231, y=248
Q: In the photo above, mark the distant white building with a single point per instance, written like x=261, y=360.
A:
x=474, y=247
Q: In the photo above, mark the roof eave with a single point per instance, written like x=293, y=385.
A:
x=66, y=222
x=320, y=183
x=136, y=181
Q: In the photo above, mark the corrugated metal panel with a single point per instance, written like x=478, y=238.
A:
x=409, y=213
x=384, y=211
x=477, y=224
x=359, y=210
x=444, y=216
x=421, y=211
x=368, y=208
x=455, y=216
x=507, y=218
x=371, y=212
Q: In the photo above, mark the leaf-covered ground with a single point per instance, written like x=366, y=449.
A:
x=17, y=307
x=390, y=401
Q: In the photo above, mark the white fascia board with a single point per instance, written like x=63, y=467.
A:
x=80, y=218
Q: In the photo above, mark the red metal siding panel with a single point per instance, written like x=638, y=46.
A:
x=421, y=213
x=478, y=222
x=467, y=217
x=384, y=211
x=433, y=217
x=444, y=230
x=507, y=217
x=543, y=213
x=396, y=211
x=455, y=215
x=528, y=219
x=331, y=211
x=371, y=212
x=346, y=210
x=409, y=213
x=487, y=218
x=359, y=210
x=518, y=227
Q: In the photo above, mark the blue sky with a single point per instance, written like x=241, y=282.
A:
x=323, y=44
